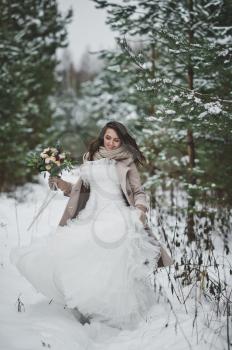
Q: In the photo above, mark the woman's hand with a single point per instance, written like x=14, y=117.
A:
x=143, y=217
x=53, y=182
x=56, y=182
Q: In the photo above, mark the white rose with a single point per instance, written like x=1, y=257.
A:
x=48, y=160
x=48, y=167
x=53, y=159
x=43, y=155
x=46, y=150
x=57, y=162
x=62, y=156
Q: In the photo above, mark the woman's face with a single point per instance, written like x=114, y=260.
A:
x=111, y=139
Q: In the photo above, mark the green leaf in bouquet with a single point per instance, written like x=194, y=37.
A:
x=59, y=147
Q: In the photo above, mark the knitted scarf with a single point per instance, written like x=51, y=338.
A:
x=118, y=153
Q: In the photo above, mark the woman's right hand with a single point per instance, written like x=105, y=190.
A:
x=53, y=182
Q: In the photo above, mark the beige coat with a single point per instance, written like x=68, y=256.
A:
x=132, y=190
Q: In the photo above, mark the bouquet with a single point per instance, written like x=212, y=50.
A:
x=52, y=160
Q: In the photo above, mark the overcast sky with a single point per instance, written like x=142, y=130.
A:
x=88, y=28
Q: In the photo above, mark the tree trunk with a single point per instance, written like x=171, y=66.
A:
x=190, y=141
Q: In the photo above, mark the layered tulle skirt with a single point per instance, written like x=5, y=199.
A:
x=101, y=262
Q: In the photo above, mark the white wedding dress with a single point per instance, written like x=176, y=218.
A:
x=102, y=262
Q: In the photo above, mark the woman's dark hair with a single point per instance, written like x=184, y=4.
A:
x=127, y=140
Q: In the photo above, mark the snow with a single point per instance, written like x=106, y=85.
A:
x=147, y=65
x=213, y=107
x=170, y=111
x=150, y=118
x=41, y=324
x=224, y=52
x=175, y=98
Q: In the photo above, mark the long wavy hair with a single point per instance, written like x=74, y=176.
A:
x=126, y=139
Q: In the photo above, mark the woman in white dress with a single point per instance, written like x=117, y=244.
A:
x=100, y=261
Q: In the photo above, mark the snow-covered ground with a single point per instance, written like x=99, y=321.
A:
x=41, y=324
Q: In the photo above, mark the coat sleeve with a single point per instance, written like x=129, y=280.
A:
x=65, y=186
x=137, y=188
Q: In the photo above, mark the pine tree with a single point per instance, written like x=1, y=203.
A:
x=186, y=50
x=30, y=35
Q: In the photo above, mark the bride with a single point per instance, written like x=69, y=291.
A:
x=102, y=257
